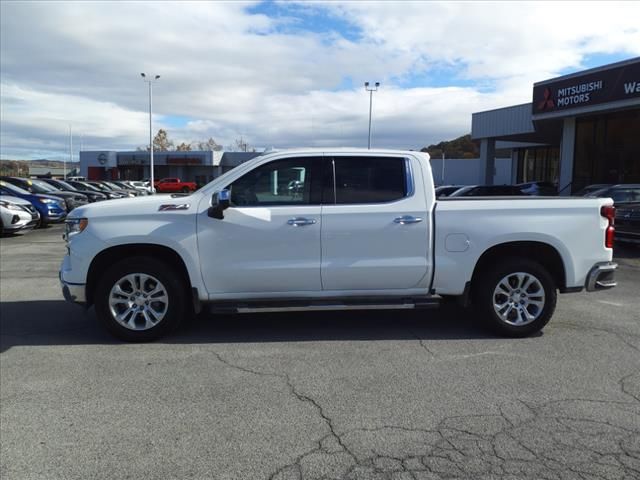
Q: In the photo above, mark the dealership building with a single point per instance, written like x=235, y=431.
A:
x=195, y=166
x=580, y=129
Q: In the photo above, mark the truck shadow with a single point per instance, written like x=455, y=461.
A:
x=57, y=322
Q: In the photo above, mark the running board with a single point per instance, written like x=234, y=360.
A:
x=326, y=305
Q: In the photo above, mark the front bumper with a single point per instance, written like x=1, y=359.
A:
x=601, y=277
x=73, y=292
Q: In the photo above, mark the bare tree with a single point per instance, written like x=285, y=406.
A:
x=161, y=142
x=183, y=147
x=243, y=146
x=210, y=145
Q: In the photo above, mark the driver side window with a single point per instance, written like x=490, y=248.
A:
x=291, y=181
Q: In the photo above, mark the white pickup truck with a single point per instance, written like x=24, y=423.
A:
x=332, y=229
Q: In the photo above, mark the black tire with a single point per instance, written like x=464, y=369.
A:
x=486, y=283
x=173, y=283
x=185, y=189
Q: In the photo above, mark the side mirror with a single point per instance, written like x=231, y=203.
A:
x=219, y=203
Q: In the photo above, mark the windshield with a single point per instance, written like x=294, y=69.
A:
x=100, y=187
x=598, y=193
x=12, y=188
x=91, y=187
x=44, y=186
x=65, y=185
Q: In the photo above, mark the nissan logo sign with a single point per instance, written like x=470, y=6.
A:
x=102, y=158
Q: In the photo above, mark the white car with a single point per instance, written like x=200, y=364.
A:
x=361, y=230
x=17, y=215
x=144, y=186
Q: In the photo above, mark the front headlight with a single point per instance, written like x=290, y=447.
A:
x=74, y=226
x=47, y=200
x=11, y=206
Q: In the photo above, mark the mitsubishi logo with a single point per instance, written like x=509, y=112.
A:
x=547, y=102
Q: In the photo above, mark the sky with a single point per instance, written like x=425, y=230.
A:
x=284, y=74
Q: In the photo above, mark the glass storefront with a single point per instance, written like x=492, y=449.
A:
x=607, y=149
x=538, y=164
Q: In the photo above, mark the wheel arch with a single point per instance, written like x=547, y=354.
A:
x=547, y=255
x=111, y=255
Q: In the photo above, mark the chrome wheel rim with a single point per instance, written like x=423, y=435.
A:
x=518, y=299
x=138, y=301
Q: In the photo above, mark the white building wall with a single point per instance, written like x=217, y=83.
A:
x=466, y=171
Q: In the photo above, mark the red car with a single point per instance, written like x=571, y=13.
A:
x=174, y=185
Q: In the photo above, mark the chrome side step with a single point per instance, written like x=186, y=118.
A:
x=319, y=305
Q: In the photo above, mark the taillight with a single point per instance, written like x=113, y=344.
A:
x=609, y=212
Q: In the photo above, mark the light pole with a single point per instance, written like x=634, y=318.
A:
x=70, y=152
x=370, y=90
x=150, y=81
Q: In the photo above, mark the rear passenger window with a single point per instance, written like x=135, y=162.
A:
x=367, y=180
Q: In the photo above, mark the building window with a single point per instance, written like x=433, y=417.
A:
x=538, y=164
x=607, y=149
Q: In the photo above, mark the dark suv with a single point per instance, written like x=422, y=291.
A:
x=621, y=193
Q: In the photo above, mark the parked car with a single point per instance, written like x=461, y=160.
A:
x=144, y=186
x=446, y=190
x=32, y=185
x=17, y=215
x=117, y=188
x=67, y=187
x=539, y=189
x=488, y=191
x=590, y=189
x=628, y=222
x=174, y=185
x=364, y=231
x=52, y=209
x=89, y=187
x=621, y=193
x=104, y=187
x=127, y=186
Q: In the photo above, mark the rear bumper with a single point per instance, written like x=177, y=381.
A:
x=601, y=277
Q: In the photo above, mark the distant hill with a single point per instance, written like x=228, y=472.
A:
x=461, y=147
x=20, y=168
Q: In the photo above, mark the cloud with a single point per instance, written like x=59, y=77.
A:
x=282, y=74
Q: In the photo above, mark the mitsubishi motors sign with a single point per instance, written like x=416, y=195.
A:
x=619, y=83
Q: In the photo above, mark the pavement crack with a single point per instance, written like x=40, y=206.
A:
x=423, y=344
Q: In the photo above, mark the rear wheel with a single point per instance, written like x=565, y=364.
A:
x=516, y=297
x=140, y=299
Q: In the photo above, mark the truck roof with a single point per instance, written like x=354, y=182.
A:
x=354, y=150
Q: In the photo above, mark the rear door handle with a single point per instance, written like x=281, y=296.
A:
x=406, y=219
x=301, y=221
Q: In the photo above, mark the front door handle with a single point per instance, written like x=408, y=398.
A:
x=406, y=219
x=301, y=221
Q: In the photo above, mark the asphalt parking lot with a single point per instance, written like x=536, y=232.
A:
x=358, y=395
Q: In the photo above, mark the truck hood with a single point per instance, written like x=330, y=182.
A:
x=143, y=205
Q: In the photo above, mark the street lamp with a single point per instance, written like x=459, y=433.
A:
x=150, y=81
x=370, y=90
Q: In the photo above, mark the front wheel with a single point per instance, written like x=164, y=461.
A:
x=140, y=299
x=515, y=297
x=185, y=189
